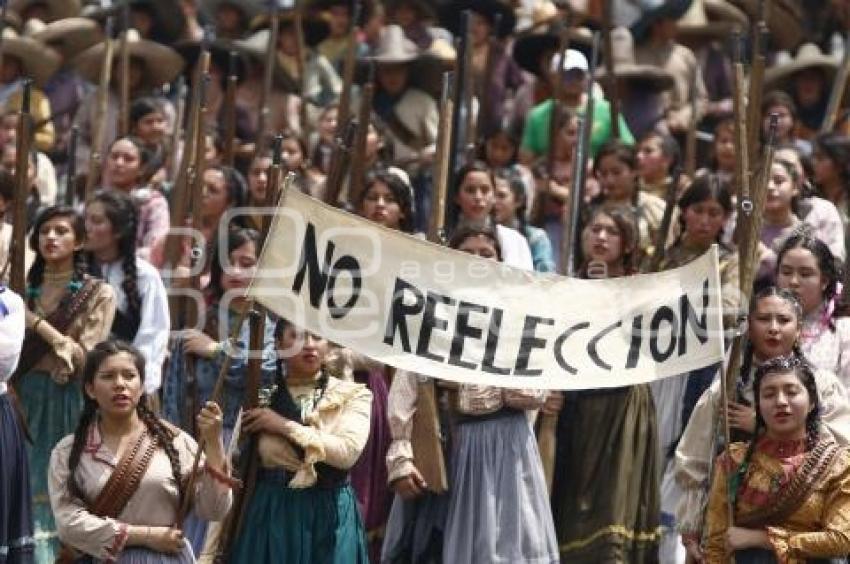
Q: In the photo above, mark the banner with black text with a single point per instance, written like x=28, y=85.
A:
x=424, y=308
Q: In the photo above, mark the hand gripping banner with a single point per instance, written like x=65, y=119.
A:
x=424, y=308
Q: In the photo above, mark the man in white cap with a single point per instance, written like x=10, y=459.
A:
x=573, y=75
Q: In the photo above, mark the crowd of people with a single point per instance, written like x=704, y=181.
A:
x=136, y=427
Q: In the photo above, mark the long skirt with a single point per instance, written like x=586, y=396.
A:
x=369, y=475
x=52, y=411
x=605, y=496
x=137, y=555
x=300, y=526
x=498, y=508
x=415, y=530
x=762, y=556
x=16, y=532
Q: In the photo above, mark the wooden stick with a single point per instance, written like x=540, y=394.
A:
x=742, y=178
x=691, y=136
x=838, y=88
x=230, y=112
x=17, y=262
x=340, y=161
x=96, y=159
x=349, y=64
x=124, y=50
x=71, y=175
x=760, y=38
x=357, y=176
x=179, y=122
x=666, y=219
x=437, y=222
x=271, y=62
x=613, y=94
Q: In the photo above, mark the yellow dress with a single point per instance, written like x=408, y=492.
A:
x=816, y=528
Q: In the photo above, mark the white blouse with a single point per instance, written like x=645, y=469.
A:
x=12, y=327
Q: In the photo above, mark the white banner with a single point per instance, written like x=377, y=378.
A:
x=443, y=313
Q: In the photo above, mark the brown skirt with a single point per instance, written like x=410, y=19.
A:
x=605, y=497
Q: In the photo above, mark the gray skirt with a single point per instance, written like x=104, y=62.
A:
x=499, y=507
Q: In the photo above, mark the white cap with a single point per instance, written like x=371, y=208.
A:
x=573, y=60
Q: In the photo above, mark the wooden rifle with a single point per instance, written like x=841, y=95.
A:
x=340, y=161
x=3, y=12
x=96, y=159
x=268, y=76
x=760, y=37
x=17, y=255
x=437, y=222
x=71, y=176
x=839, y=86
x=348, y=66
x=742, y=163
x=357, y=176
x=458, y=138
x=660, y=248
x=180, y=117
x=124, y=51
x=557, y=87
x=233, y=337
x=691, y=135
x=485, y=102
x=230, y=112
x=301, y=66
x=468, y=147
x=253, y=375
x=612, y=87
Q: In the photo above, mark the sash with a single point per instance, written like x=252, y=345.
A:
x=119, y=488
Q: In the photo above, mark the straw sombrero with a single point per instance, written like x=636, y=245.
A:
x=784, y=21
x=56, y=9
x=653, y=11
x=161, y=64
x=626, y=68
x=38, y=61
x=69, y=36
x=706, y=20
x=809, y=56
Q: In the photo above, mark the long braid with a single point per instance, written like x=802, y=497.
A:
x=87, y=417
x=130, y=284
x=165, y=439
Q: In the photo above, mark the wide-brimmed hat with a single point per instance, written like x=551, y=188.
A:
x=220, y=50
x=250, y=9
x=38, y=61
x=314, y=25
x=450, y=14
x=706, y=20
x=69, y=36
x=424, y=9
x=626, y=67
x=809, y=56
x=784, y=20
x=56, y=9
x=530, y=46
x=653, y=11
x=161, y=64
x=168, y=20
x=394, y=47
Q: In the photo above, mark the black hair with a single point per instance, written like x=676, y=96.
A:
x=468, y=230
x=235, y=183
x=143, y=106
x=778, y=98
x=149, y=159
x=669, y=147
x=623, y=153
x=836, y=147
x=402, y=192
x=161, y=433
x=282, y=401
x=35, y=276
x=7, y=185
x=121, y=213
x=827, y=263
x=517, y=187
x=626, y=221
x=235, y=239
x=703, y=188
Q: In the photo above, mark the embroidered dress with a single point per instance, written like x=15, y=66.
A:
x=813, y=488
x=52, y=406
x=155, y=503
x=303, y=509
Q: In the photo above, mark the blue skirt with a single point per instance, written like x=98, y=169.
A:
x=16, y=540
x=300, y=526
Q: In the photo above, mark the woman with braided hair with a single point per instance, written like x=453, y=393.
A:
x=141, y=315
x=774, y=326
x=117, y=483
x=789, y=487
x=68, y=312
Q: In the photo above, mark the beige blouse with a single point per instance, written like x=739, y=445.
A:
x=335, y=433
x=155, y=502
x=90, y=326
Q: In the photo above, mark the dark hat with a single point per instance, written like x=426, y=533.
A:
x=533, y=44
x=707, y=20
x=654, y=11
x=450, y=15
x=69, y=36
x=56, y=9
x=314, y=24
x=168, y=21
x=784, y=20
x=628, y=70
x=425, y=10
x=220, y=50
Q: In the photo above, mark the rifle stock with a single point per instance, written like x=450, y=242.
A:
x=660, y=248
x=340, y=161
x=17, y=262
x=357, y=176
x=437, y=221
x=349, y=63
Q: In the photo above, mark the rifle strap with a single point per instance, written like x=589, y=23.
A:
x=401, y=132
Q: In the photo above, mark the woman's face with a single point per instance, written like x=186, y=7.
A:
x=480, y=246
x=774, y=327
x=304, y=352
x=780, y=191
x=500, y=150
x=152, y=127
x=293, y=158
x=327, y=125
x=505, y=203
x=704, y=221
x=480, y=29
x=785, y=125
x=784, y=404
x=243, y=265
x=809, y=87
x=653, y=164
x=258, y=179
x=216, y=198
x=800, y=273
x=824, y=168
x=123, y=164
x=616, y=179
x=381, y=206
x=100, y=233
x=392, y=77
x=475, y=197
x=57, y=241
x=117, y=386
x=724, y=148
x=567, y=137
x=602, y=240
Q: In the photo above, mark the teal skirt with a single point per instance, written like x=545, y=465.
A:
x=301, y=526
x=51, y=411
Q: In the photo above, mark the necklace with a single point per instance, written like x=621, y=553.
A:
x=57, y=277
